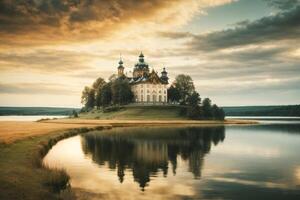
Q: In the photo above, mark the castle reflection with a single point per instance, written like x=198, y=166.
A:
x=147, y=151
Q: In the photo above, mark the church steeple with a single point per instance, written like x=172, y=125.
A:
x=164, y=75
x=120, y=68
x=141, y=57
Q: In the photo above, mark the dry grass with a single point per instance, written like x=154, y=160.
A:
x=12, y=131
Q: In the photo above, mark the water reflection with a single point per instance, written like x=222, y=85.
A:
x=254, y=162
x=146, y=153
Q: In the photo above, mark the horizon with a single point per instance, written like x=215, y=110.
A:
x=238, y=52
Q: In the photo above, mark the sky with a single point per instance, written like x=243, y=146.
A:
x=238, y=52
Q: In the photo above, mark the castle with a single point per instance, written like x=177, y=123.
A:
x=147, y=87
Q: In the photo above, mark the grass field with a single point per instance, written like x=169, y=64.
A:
x=11, y=131
x=137, y=112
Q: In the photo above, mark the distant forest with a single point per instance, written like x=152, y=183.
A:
x=288, y=110
x=36, y=111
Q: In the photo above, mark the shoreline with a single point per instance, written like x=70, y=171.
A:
x=11, y=131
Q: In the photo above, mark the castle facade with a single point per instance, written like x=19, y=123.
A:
x=147, y=87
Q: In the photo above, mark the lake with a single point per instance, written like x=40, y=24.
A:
x=231, y=162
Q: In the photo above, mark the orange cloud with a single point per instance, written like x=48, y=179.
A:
x=42, y=22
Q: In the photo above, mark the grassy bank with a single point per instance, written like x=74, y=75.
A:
x=22, y=174
x=153, y=112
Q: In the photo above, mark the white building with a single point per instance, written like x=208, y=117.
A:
x=147, y=86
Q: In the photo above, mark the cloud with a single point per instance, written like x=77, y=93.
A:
x=43, y=22
x=282, y=26
x=35, y=88
x=46, y=61
x=283, y=4
x=175, y=35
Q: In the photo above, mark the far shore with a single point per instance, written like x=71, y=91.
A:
x=11, y=131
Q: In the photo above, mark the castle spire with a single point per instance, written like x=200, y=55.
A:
x=141, y=57
x=120, y=67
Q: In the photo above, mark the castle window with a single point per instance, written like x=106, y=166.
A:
x=165, y=92
x=148, y=91
x=159, y=91
x=142, y=98
x=148, y=98
x=141, y=91
x=159, y=98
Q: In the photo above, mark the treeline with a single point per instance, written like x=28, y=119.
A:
x=103, y=94
x=182, y=91
x=288, y=110
x=36, y=111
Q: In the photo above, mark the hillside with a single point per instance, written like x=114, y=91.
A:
x=35, y=111
x=289, y=110
x=136, y=112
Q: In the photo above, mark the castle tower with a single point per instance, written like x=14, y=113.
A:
x=164, y=75
x=141, y=68
x=120, y=68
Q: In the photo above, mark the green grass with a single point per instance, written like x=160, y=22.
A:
x=137, y=112
x=22, y=174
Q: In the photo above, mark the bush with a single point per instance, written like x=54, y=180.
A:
x=194, y=112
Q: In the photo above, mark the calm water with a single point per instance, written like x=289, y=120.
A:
x=232, y=162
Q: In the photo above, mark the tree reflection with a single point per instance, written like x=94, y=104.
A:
x=151, y=151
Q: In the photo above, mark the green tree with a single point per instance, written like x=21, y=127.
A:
x=194, y=110
x=194, y=99
x=207, y=109
x=97, y=86
x=217, y=113
x=106, y=94
x=98, y=83
x=184, y=84
x=173, y=94
x=88, y=97
x=121, y=92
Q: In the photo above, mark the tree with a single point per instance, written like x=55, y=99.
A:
x=173, y=94
x=194, y=110
x=113, y=77
x=75, y=114
x=194, y=99
x=184, y=84
x=98, y=83
x=218, y=113
x=88, y=97
x=97, y=86
x=121, y=92
x=207, y=109
x=106, y=94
